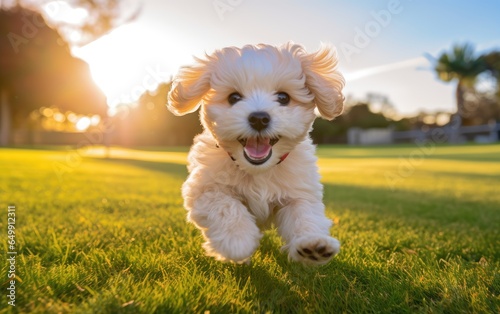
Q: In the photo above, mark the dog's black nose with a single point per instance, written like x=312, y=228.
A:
x=259, y=120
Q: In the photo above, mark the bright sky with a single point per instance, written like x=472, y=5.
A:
x=381, y=44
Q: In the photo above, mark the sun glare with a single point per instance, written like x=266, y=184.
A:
x=131, y=60
x=113, y=60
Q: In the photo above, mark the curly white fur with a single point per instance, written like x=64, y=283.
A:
x=229, y=196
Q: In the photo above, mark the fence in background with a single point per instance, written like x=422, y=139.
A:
x=488, y=133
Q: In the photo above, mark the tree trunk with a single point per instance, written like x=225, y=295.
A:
x=457, y=121
x=460, y=99
x=5, y=118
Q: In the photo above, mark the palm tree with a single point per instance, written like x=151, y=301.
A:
x=462, y=65
x=492, y=60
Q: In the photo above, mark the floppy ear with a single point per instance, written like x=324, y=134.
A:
x=324, y=81
x=188, y=88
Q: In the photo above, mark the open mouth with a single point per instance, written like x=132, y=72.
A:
x=258, y=150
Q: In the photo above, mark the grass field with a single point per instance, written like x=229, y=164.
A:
x=420, y=229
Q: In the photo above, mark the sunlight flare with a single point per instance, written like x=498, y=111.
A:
x=83, y=124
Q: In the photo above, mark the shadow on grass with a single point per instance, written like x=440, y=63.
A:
x=434, y=152
x=411, y=207
x=484, y=157
x=169, y=149
x=468, y=175
x=173, y=169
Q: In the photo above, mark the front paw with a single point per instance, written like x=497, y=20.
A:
x=236, y=247
x=313, y=249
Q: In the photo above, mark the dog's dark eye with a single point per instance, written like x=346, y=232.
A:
x=283, y=98
x=234, y=98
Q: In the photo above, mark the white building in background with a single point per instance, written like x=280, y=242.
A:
x=358, y=136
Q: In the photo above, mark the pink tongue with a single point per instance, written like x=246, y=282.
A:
x=257, y=147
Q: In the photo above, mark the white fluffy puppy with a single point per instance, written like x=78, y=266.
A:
x=254, y=164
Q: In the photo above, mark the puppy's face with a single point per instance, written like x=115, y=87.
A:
x=258, y=101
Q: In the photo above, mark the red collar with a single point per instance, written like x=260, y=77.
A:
x=283, y=158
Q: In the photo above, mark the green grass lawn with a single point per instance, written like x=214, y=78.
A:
x=420, y=232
